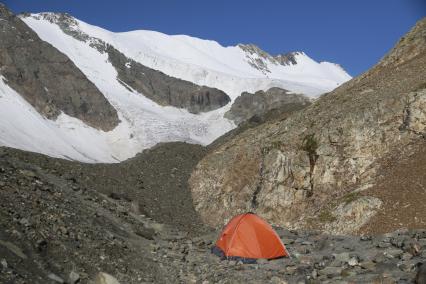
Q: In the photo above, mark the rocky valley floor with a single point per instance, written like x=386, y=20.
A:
x=64, y=222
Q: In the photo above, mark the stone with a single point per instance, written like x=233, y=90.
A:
x=342, y=257
x=146, y=233
x=369, y=265
x=55, y=278
x=413, y=247
x=73, y=277
x=336, y=263
x=288, y=242
x=28, y=173
x=331, y=271
x=3, y=263
x=366, y=238
x=409, y=265
x=105, y=278
x=277, y=280
x=13, y=248
x=41, y=245
x=406, y=256
x=353, y=261
x=393, y=253
x=380, y=257
x=348, y=272
x=384, y=245
x=291, y=269
x=306, y=259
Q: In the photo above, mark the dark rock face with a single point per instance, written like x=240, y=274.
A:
x=287, y=58
x=255, y=105
x=261, y=58
x=163, y=89
x=48, y=79
x=153, y=84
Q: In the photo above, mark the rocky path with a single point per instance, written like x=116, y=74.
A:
x=316, y=258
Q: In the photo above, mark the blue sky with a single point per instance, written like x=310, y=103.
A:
x=355, y=34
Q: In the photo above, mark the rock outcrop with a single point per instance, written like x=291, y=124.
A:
x=163, y=89
x=248, y=105
x=153, y=84
x=259, y=58
x=288, y=171
x=287, y=58
x=48, y=79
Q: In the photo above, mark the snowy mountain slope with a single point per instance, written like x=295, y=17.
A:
x=144, y=123
x=205, y=62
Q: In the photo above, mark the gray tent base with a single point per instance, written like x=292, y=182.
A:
x=217, y=251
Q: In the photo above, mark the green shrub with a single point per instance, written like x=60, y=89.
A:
x=326, y=217
x=310, y=146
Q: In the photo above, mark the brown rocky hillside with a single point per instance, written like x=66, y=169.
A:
x=402, y=188
x=306, y=171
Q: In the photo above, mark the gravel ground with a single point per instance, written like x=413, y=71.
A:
x=64, y=222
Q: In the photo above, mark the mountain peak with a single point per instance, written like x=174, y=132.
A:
x=288, y=58
x=52, y=17
x=284, y=59
x=409, y=46
x=254, y=49
x=174, y=55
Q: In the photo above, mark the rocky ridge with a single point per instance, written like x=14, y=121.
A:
x=33, y=68
x=257, y=57
x=288, y=171
x=248, y=105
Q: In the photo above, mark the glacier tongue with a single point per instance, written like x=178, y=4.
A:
x=143, y=122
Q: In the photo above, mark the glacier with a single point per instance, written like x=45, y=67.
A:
x=143, y=122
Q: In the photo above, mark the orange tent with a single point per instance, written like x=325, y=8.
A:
x=248, y=236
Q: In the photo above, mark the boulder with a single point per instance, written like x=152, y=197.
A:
x=105, y=278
